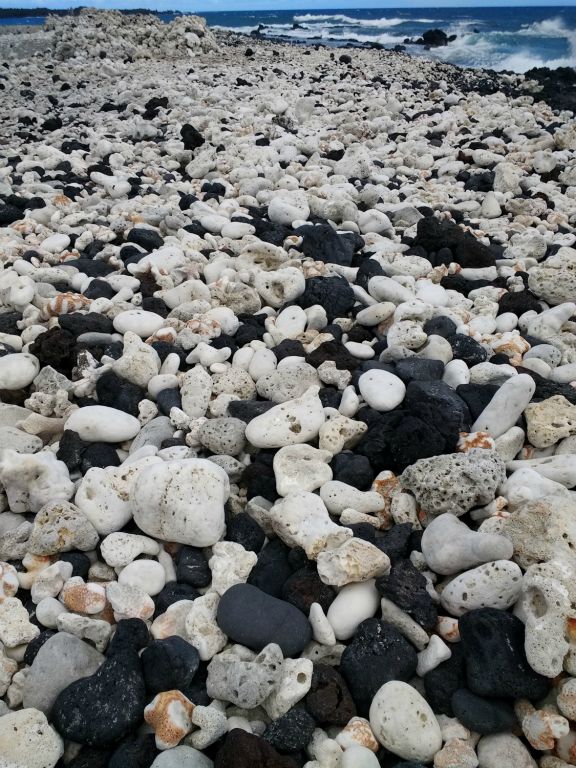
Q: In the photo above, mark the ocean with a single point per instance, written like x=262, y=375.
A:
x=514, y=39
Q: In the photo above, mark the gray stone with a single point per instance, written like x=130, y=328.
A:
x=50, y=381
x=287, y=383
x=555, y=280
x=61, y=527
x=456, y=482
x=10, y=415
x=223, y=435
x=153, y=433
x=240, y=676
x=182, y=757
x=20, y=441
x=62, y=660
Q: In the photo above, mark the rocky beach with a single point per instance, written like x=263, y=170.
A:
x=287, y=404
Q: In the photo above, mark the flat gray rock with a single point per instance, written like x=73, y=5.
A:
x=20, y=441
x=182, y=757
x=62, y=660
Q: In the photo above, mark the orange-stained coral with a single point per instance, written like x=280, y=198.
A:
x=169, y=714
x=81, y=597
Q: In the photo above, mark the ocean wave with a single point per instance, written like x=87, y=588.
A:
x=477, y=44
x=466, y=49
x=239, y=30
x=349, y=21
x=553, y=27
x=522, y=61
x=359, y=38
x=481, y=51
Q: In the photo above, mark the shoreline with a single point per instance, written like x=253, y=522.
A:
x=557, y=86
x=287, y=404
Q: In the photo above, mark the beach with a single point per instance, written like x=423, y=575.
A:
x=287, y=403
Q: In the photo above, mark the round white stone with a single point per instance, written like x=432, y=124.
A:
x=55, y=243
x=353, y=604
x=236, y=230
x=139, y=321
x=288, y=206
x=18, y=370
x=359, y=757
x=382, y=391
x=99, y=423
x=404, y=723
x=360, y=350
x=147, y=575
x=48, y=610
x=182, y=501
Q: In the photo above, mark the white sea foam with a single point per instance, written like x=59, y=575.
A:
x=383, y=39
x=554, y=27
x=340, y=19
x=239, y=30
x=524, y=60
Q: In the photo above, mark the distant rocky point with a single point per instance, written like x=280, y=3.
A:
x=433, y=38
x=107, y=34
x=19, y=13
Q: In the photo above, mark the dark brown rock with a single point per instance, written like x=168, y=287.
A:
x=244, y=750
x=305, y=587
x=329, y=701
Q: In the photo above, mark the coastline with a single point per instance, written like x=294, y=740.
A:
x=286, y=328
x=557, y=86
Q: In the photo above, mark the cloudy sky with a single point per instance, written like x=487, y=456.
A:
x=242, y=5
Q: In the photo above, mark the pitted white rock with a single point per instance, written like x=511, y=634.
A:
x=32, y=480
x=301, y=468
x=295, y=421
x=181, y=501
x=302, y=520
x=354, y=560
x=404, y=723
x=104, y=495
x=497, y=584
x=230, y=564
x=244, y=678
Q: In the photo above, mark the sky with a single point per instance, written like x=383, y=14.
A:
x=203, y=6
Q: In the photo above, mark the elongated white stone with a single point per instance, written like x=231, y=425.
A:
x=560, y=468
x=507, y=405
x=139, y=321
x=99, y=423
x=353, y=604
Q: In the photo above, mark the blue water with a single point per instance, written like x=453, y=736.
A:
x=497, y=38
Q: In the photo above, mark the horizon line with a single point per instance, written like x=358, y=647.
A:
x=305, y=8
